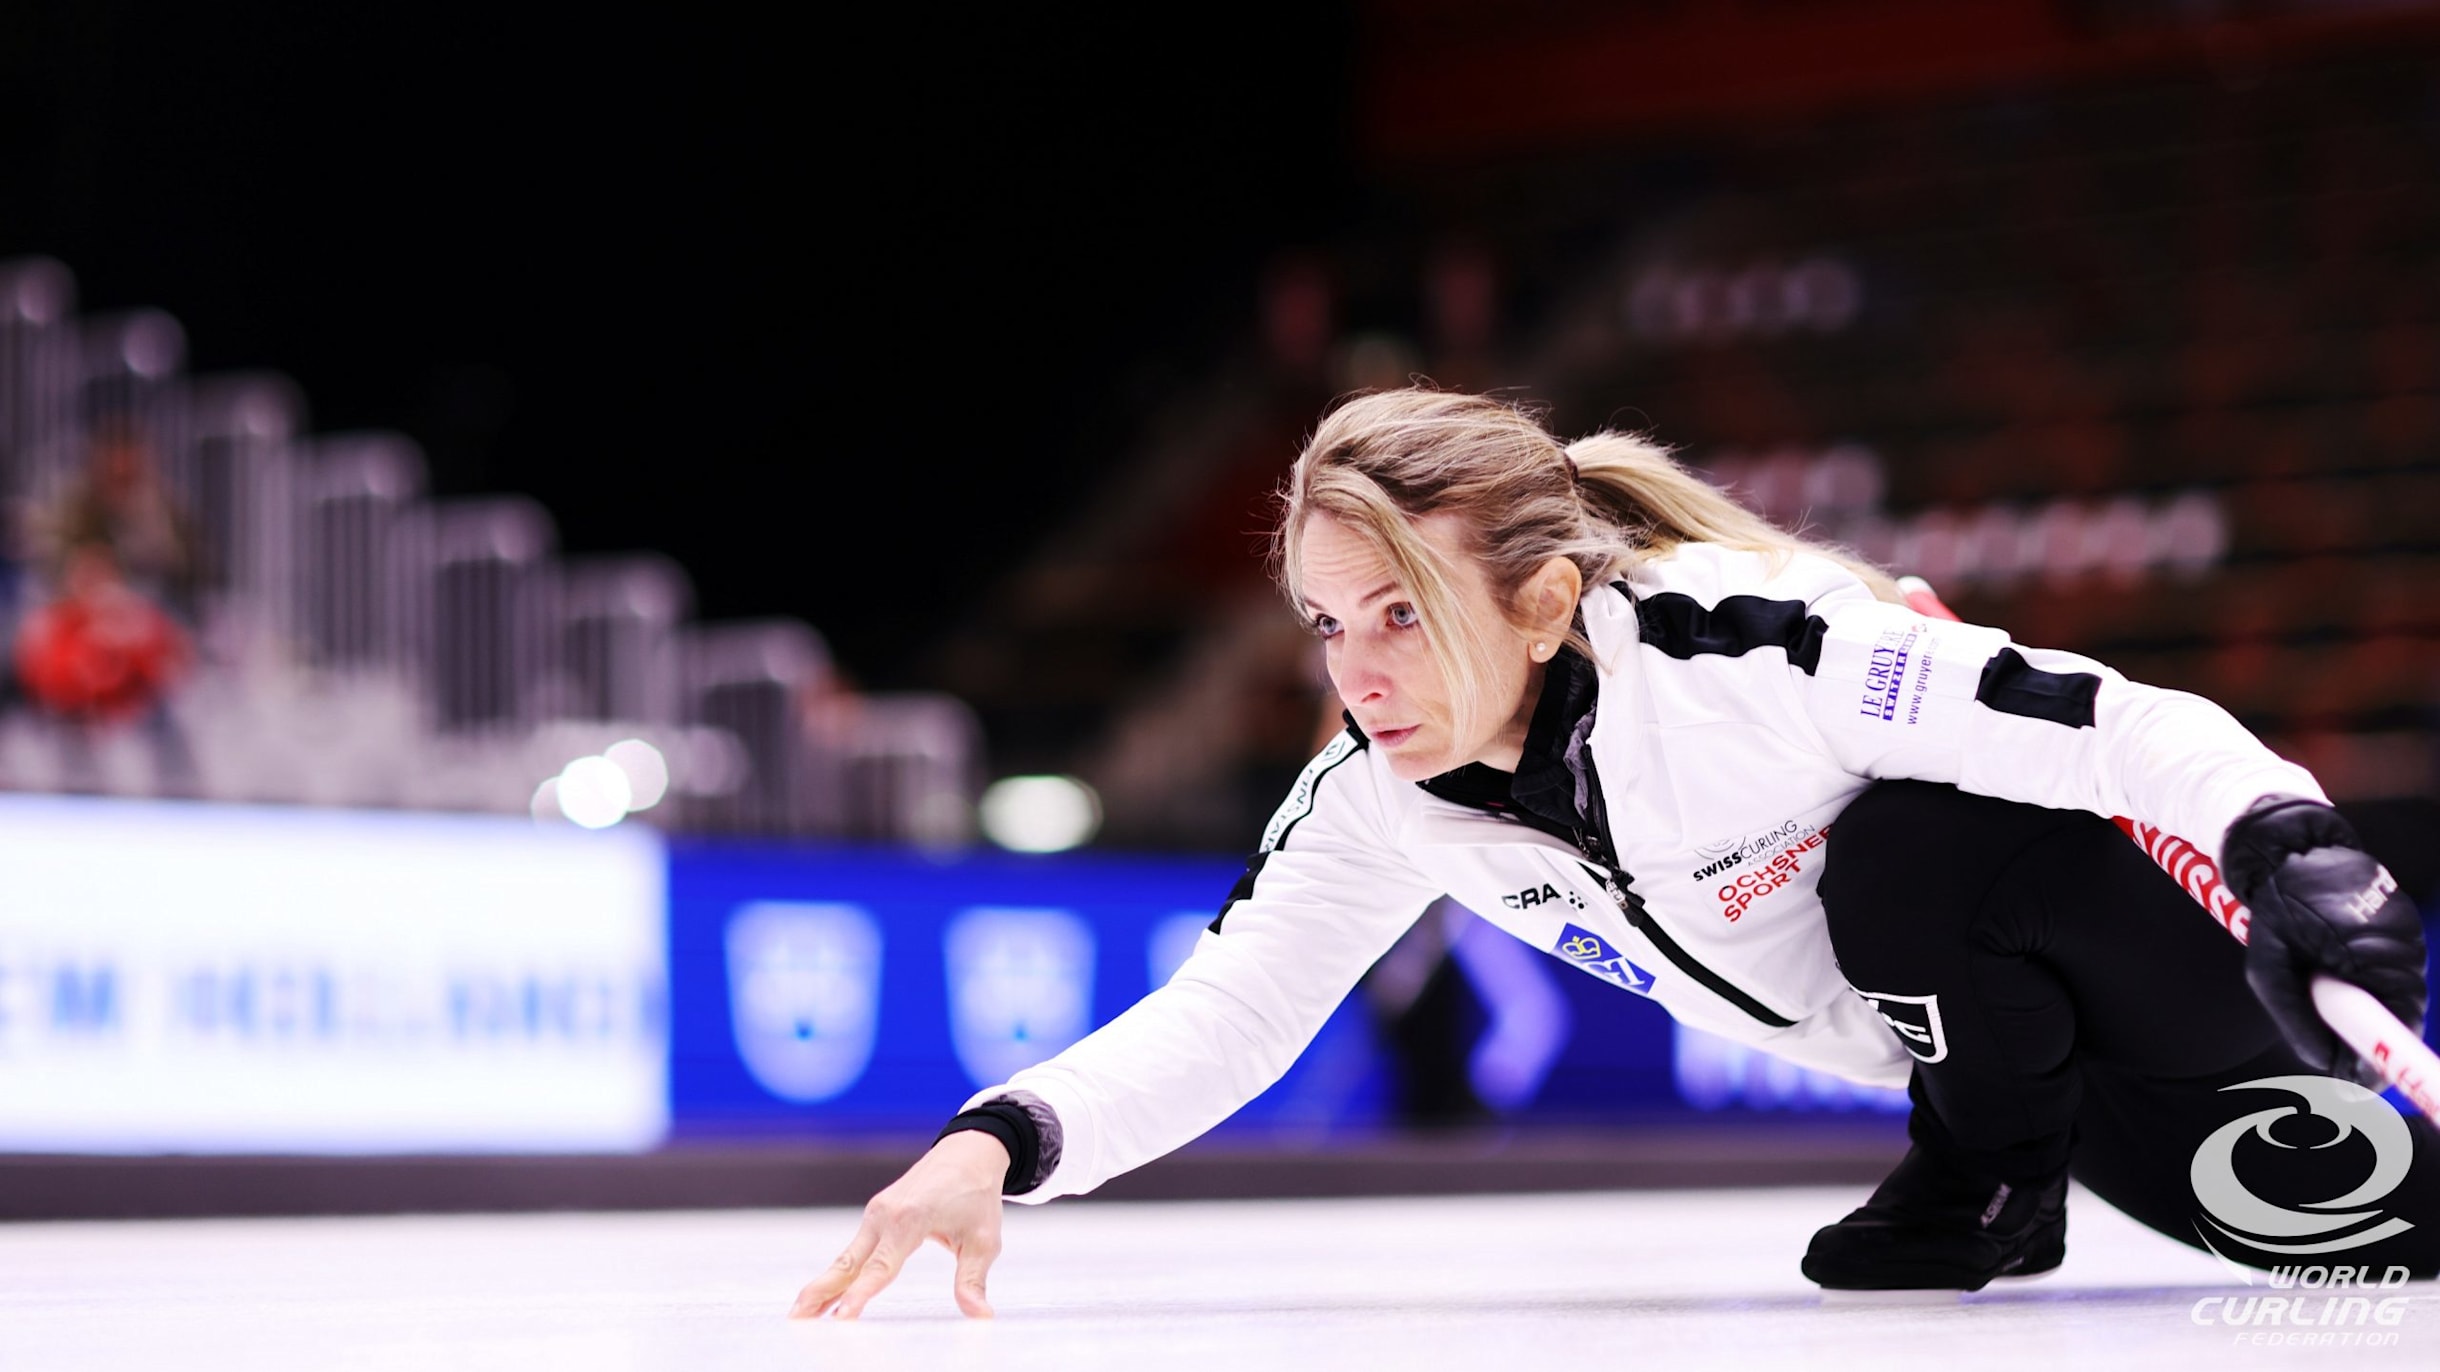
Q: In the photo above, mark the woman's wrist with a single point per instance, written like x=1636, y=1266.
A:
x=1004, y=1123
x=974, y=1153
x=1026, y=1129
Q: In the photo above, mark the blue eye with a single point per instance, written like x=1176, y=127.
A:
x=1403, y=616
x=1323, y=625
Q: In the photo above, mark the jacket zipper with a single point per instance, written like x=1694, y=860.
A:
x=1595, y=842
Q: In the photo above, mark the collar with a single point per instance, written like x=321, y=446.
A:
x=1545, y=786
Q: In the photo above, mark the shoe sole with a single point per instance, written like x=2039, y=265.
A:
x=1884, y=1297
x=1898, y=1277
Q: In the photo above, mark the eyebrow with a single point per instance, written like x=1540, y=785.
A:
x=1385, y=588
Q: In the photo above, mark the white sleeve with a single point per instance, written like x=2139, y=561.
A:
x=1321, y=901
x=1895, y=694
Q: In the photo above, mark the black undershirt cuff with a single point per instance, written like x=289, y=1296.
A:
x=1006, y=1121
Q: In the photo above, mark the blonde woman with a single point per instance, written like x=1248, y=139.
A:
x=1645, y=731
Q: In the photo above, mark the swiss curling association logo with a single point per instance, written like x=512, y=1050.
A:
x=2299, y=1223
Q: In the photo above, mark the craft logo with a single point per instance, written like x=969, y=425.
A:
x=1914, y=1019
x=1591, y=952
x=804, y=995
x=1020, y=988
x=2236, y=1214
x=1546, y=893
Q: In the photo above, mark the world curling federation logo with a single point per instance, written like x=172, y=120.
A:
x=2237, y=1212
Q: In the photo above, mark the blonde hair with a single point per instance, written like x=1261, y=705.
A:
x=1605, y=502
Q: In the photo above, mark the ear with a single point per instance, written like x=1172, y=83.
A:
x=1546, y=605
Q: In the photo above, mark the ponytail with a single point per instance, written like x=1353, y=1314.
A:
x=1635, y=485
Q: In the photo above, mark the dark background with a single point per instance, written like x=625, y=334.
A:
x=863, y=323
x=837, y=316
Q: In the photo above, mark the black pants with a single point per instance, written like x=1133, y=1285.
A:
x=2068, y=1004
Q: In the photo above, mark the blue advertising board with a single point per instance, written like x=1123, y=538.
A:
x=841, y=991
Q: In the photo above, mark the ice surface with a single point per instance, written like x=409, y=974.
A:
x=1613, y=1281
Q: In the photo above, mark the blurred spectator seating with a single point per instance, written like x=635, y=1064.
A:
x=336, y=637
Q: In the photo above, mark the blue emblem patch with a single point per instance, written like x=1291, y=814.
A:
x=1589, y=951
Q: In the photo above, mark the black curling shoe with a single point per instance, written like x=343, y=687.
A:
x=1933, y=1225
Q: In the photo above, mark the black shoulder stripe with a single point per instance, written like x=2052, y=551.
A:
x=1243, y=890
x=1299, y=803
x=2013, y=686
x=1292, y=812
x=1679, y=625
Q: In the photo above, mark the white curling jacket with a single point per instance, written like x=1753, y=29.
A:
x=1739, y=703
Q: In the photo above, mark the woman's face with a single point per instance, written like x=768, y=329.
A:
x=1372, y=639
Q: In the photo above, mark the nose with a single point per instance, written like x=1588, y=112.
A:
x=1357, y=673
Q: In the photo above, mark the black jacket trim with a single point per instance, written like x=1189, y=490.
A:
x=1008, y=1122
x=2013, y=686
x=1542, y=790
x=1679, y=625
x=1243, y=890
x=1310, y=785
x=1642, y=921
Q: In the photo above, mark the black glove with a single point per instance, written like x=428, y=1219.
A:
x=2321, y=904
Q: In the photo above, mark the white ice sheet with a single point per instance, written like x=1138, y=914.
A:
x=1614, y=1281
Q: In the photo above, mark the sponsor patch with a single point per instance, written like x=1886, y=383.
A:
x=1885, y=671
x=1766, y=874
x=1923, y=682
x=1591, y=952
x=1914, y=1019
x=1745, y=848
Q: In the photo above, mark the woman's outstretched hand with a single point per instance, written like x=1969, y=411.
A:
x=951, y=1194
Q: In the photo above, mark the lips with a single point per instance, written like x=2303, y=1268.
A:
x=1391, y=738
